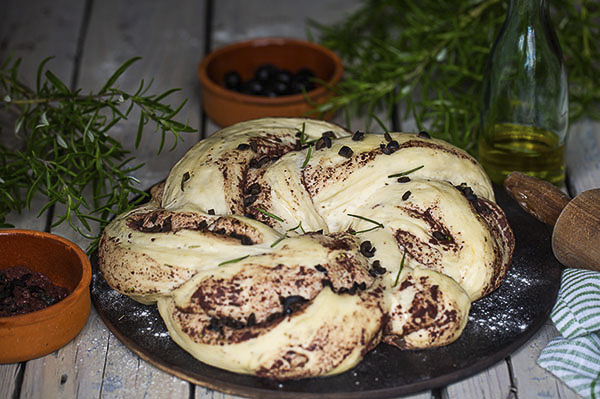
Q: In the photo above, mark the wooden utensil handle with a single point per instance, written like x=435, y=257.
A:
x=539, y=198
x=576, y=235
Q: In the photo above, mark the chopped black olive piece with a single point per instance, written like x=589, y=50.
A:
x=358, y=136
x=320, y=144
x=346, y=152
x=438, y=235
x=249, y=200
x=254, y=146
x=403, y=179
x=253, y=189
x=377, y=268
x=243, y=146
x=406, y=195
x=292, y=303
x=251, y=320
x=245, y=240
x=424, y=135
x=321, y=269
x=366, y=249
x=387, y=137
x=328, y=134
x=210, y=212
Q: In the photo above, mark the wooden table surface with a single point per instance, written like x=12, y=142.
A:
x=89, y=40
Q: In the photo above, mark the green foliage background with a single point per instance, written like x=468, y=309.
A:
x=429, y=57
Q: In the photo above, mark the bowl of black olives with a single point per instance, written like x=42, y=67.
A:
x=267, y=77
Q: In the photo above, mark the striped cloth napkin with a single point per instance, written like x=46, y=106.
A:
x=574, y=357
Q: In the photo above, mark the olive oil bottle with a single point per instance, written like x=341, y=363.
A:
x=524, y=113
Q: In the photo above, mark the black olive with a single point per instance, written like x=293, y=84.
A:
x=233, y=80
x=265, y=72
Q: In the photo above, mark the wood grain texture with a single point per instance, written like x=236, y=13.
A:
x=493, y=383
x=576, y=235
x=169, y=38
x=583, y=156
x=532, y=380
x=9, y=379
x=539, y=198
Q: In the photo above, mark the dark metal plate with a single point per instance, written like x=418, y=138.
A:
x=498, y=325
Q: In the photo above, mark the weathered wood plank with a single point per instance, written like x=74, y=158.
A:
x=169, y=38
x=532, y=380
x=127, y=376
x=9, y=379
x=118, y=31
x=33, y=31
x=583, y=156
x=492, y=383
x=76, y=370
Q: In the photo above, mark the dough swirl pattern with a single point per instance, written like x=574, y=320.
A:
x=290, y=247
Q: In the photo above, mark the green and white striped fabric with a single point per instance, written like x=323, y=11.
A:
x=574, y=357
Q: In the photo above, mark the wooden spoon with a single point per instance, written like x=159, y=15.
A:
x=576, y=233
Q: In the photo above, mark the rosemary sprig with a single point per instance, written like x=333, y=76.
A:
x=428, y=57
x=406, y=172
x=400, y=269
x=241, y=258
x=64, y=151
x=377, y=224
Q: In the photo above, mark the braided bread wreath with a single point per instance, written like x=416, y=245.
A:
x=289, y=247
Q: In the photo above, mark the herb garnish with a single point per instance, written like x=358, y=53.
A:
x=407, y=172
x=284, y=236
x=269, y=214
x=65, y=151
x=233, y=260
x=307, y=157
x=377, y=224
x=400, y=270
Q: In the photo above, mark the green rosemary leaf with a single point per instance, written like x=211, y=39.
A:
x=379, y=225
x=367, y=230
x=400, y=269
x=307, y=157
x=115, y=76
x=233, y=260
x=298, y=226
x=283, y=237
x=269, y=214
x=406, y=172
x=66, y=153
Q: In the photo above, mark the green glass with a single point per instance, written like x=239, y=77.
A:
x=524, y=114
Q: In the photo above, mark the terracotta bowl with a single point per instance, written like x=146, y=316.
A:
x=226, y=107
x=38, y=333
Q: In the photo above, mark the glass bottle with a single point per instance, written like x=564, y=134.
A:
x=524, y=115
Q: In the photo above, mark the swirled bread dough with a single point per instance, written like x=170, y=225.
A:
x=289, y=247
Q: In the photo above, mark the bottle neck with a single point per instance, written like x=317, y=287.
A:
x=527, y=8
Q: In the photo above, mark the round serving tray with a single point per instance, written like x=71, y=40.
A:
x=498, y=324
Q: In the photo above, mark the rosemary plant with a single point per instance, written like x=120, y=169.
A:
x=63, y=150
x=428, y=57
